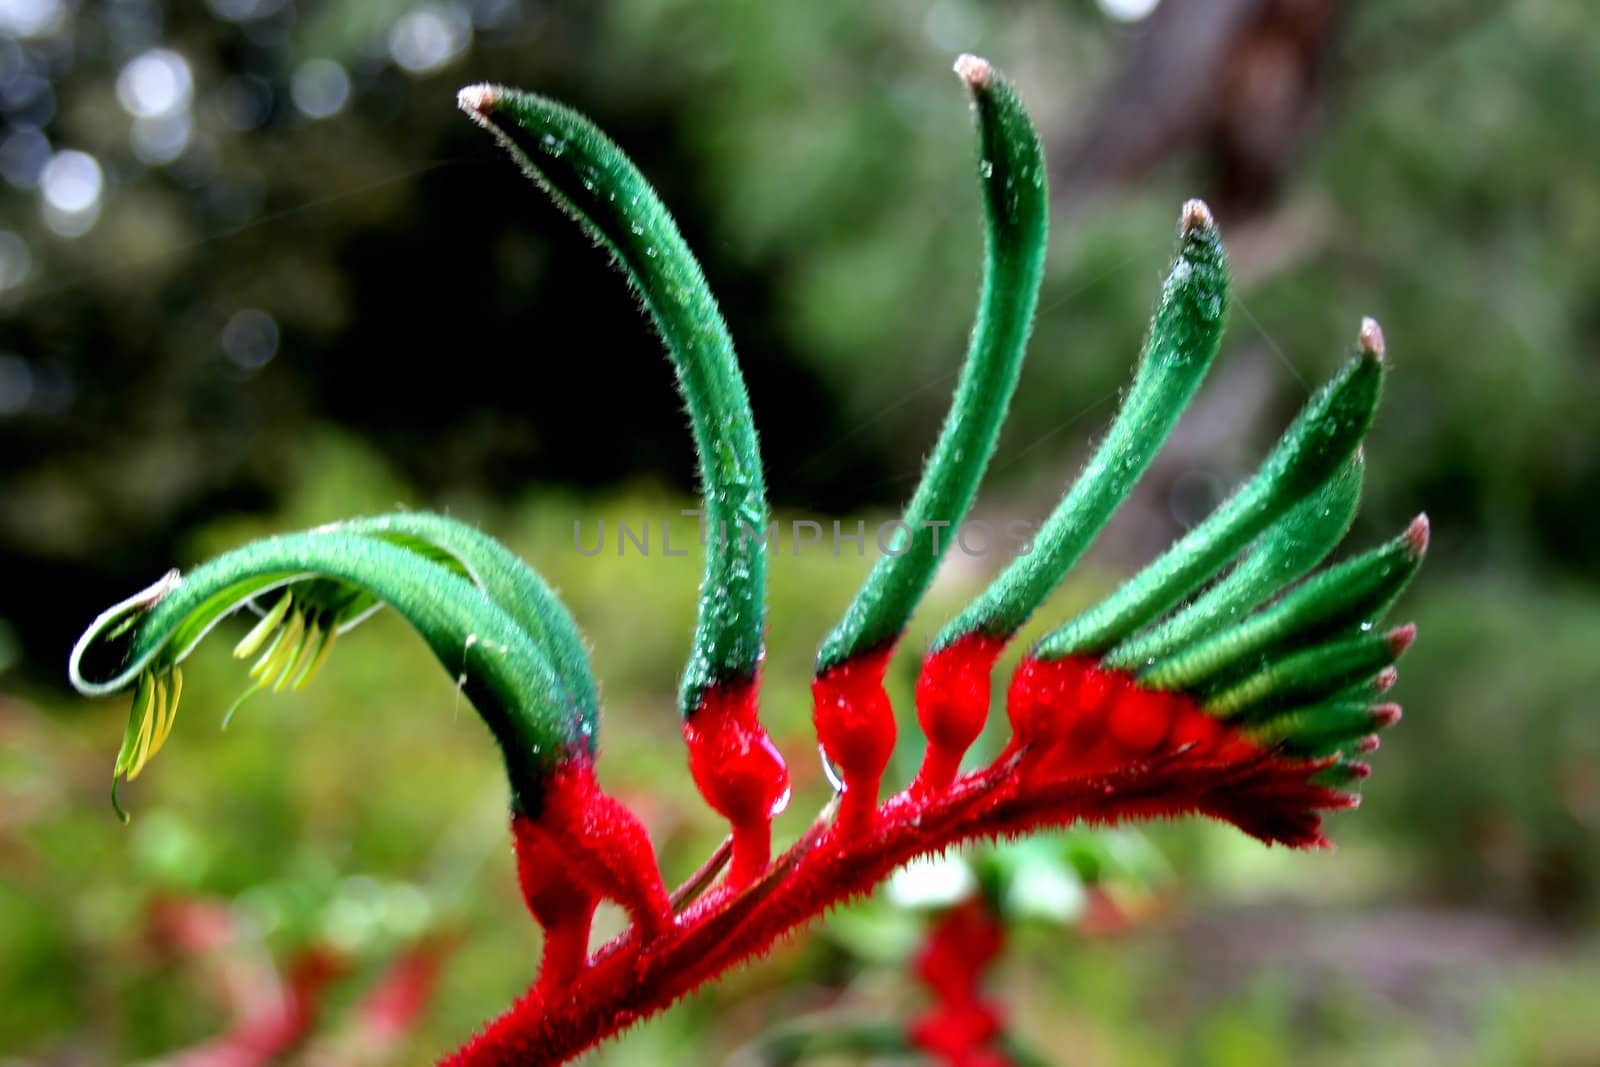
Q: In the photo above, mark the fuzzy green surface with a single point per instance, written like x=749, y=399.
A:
x=514, y=586
x=1355, y=593
x=1319, y=730
x=592, y=179
x=1016, y=209
x=506, y=678
x=1304, y=677
x=1287, y=550
x=1179, y=348
x=1321, y=438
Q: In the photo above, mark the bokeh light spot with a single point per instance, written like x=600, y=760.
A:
x=424, y=40
x=71, y=181
x=16, y=261
x=16, y=384
x=23, y=155
x=250, y=339
x=243, y=10
x=31, y=18
x=1128, y=10
x=155, y=83
x=161, y=139
x=71, y=185
x=320, y=88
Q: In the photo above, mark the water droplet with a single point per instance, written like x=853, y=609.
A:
x=780, y=804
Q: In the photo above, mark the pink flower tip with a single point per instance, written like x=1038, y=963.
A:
x=1386, y=679
x=1370, y=340
x=1196, y=215
x=1417, y=535
x=1359, y=770
x=1370, y=743
x=974, y=70
x=1401, y=637
x=1382, y=716
x=477, y=99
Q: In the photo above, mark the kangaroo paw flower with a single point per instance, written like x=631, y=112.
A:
x=1230, y=678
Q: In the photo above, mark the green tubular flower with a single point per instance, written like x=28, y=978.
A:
x=1349, y=596
x=1016, y=207
x=329, y=581
x=1178, y=350
x=1287, y=550
x=1322, y=729
x=517, y=588
x=1309, y=675
x=1311, y=451
x=593, y=181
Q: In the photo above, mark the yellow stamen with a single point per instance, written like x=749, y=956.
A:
x=176, y=681
x=259, y=668
x=282, y=652
x=142, y=693
x=319, y=659
x=258, y=633
x=310, y=654
x=147, y=723
x=282, y=675
x=162, y=708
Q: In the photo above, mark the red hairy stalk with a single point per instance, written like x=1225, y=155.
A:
x=403, y=992
x=1090, y=747
x=960, y=1027
x=276, y=1019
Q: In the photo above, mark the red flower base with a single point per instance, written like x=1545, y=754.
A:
x=1089, y=746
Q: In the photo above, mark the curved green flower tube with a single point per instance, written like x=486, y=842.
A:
x=1312, y=450
x=500, y=669
x=1353, y=595
x=1287, y=550
x=590, y=178
x=516, y=587
x=1184, y=334
x=1016, y=207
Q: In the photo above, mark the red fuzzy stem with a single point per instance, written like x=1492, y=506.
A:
x=391, y=1009
x=960, y=1026
x=1092, y=748
x=566, y=950
x=276, y=1025
x=624, y=985
x=563, y=908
